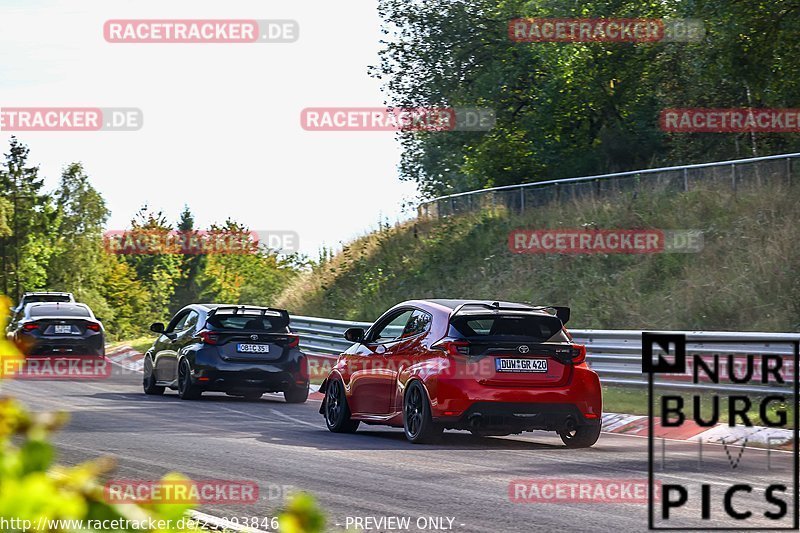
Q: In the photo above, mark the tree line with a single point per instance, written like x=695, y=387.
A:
x=576, y=109
x=54, y=240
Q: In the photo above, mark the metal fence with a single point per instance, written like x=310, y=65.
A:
x=736, y=173
x=616, y=355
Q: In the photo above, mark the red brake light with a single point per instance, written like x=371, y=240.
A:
x=93, y=326
x=30, y=326
x=453, y=347
x=578, y=353
x=294, y=341
x=209, y=337
x=303, y=376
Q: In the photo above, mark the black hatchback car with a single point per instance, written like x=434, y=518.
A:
x=240, y=350
x=58, y=328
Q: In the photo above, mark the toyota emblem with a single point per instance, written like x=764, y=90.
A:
x=524, y=349
x=254, y=337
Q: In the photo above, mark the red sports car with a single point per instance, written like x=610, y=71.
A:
x=493, y=368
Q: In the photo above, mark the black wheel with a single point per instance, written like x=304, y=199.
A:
x=149, y=379
x=296, y=394
x=417, y=421
x=252, y=396
x=582, y=437
x=186, y=389
x=337, y=413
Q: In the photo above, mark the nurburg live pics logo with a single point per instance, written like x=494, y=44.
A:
x=731, y=498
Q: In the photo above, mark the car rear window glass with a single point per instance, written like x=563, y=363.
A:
x=46, y=298
x=270, y=324
x=530, y=327
x=59, y=310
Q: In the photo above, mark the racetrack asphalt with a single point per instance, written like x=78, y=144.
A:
x=376, y=472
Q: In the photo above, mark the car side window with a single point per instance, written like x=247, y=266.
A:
x=419, y=323
x=191, y=320
x=177, y=323
x=393, y=329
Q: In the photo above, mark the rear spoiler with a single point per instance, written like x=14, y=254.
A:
x=249, y=309
x=563, y=313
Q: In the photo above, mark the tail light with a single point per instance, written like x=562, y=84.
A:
x=303, y=375
x=209, y=337
x=93, y=326
x=294, y=341
x=30, y=326
x=452, y=347
x=578, y=353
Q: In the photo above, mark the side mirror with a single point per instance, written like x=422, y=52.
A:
x=354, y=334
x=157, y=327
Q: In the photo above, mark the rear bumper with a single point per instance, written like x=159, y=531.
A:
x=251, y=378
x=51, y=345
x=468, y=404
x=503, y=418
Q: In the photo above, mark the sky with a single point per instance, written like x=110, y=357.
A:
x=221, y=129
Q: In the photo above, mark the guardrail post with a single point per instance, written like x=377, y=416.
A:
x=521, y=200
x=733, y=176
x=685, y=180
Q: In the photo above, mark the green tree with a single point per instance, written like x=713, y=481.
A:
x=25, y=251
x=188, y=287
x=159, y=269
x=255, y=277
x=76, y=263
x=570, y=109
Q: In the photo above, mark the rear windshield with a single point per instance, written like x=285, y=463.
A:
x=59, y=310
x=46, y=298
x=269, y=324
x=530, y=327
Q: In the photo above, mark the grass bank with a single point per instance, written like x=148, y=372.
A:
x=747, y=277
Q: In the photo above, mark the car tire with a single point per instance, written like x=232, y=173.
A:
x=336, y=410
x=296, y=394
x=418, y=422
x=186, y=389
x=149, y=380
x=582, y=437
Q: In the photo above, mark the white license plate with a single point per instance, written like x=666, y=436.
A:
x=252, y=348
x=62, y=329
x=520, y=365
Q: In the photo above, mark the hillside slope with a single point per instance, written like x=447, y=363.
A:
x=747, y=277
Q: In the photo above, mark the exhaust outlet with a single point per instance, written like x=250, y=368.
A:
x=570, y=425
x=475, y=420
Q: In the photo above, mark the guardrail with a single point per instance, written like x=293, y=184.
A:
x=616, y=355
x=756, y=170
